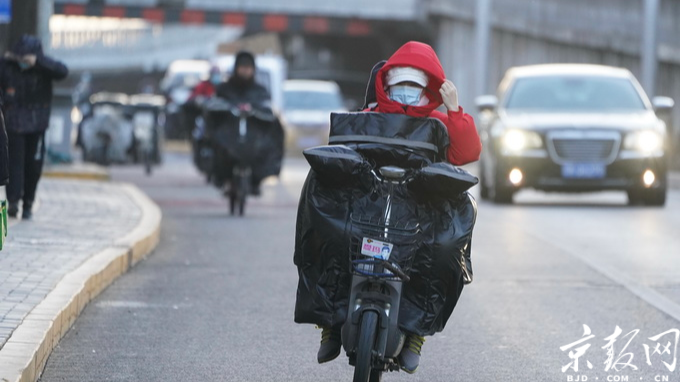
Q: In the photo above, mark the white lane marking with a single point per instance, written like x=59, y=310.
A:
x=644, y=292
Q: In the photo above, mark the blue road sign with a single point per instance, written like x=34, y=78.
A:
x=5, y=11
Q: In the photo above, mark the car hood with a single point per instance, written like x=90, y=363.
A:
x=618, y=121
x=308, y=117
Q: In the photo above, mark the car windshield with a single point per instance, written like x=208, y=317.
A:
x=181, y=79
x=311, y=100
x=574, y=94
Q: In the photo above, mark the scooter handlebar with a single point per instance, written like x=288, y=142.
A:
x=396, y=270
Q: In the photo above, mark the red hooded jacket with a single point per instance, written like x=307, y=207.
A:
x=465, y=144
x=203, y=89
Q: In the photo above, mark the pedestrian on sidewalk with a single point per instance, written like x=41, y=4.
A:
x=4, y=159
x=4, y=176
x=26, y=77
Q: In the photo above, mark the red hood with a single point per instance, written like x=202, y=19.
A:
x=420, y=56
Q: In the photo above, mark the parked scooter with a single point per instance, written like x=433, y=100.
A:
x=107, y=135
x=145, y=111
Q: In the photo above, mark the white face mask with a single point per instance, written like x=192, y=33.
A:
x=405, y=94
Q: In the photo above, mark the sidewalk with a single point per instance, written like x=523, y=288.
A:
x=84, y=235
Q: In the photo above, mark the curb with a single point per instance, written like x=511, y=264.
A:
x=24, y=355
x=177, y=146
x=84, y=173
x=77, y=175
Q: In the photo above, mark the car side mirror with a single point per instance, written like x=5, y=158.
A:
x=663, y=104
x=486, y=102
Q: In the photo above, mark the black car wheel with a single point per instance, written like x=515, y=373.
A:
x=483, y=183
x=502, y=194
x=651, y=197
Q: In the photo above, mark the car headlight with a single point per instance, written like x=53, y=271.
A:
x=518, y=140
x=646, y=141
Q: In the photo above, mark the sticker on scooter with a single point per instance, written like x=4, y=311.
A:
x=376, y=248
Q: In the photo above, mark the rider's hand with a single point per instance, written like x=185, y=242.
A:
x=10, y=56
x=449, y=95
x=245, y=107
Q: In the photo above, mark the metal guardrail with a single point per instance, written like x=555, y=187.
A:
x=114, y=38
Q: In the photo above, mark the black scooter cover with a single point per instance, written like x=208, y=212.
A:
x=340, y=192
x=263, y=148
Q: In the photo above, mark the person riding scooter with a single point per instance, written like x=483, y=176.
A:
x=242, y=91
x=412, y=82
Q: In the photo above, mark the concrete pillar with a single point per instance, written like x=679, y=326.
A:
x=648, y=50
x=482, y=42
x=455, y=46
x=24, y=17
x=45, y=11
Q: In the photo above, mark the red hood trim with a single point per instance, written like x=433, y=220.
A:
x=420, y=56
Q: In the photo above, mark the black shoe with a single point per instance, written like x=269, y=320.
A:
x=331, y=343
x=26, y=214
x=12, y=210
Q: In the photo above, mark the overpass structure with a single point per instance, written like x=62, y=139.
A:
x=341, y=40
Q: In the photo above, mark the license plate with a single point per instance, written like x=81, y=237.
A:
x=376, y=248
x=584, y=170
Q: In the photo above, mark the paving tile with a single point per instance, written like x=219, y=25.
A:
x=76, y=220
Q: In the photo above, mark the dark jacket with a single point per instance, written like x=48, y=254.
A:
x=28, y=93
x=236, y=92
x=4, y=159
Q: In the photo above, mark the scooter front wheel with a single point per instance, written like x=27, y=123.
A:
x=365, y=344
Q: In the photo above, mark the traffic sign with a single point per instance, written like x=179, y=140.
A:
x=5, y=11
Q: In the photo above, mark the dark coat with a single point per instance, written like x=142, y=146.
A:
x=4, y=159
x=235, y=91
x=28, y=93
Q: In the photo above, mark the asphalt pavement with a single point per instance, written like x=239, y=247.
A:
x=215, y=302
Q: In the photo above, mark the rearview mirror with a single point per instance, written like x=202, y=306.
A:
x=663, y=103
x=486, y=102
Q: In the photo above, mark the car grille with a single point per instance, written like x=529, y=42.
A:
x=583, y=150
x=584, y=146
